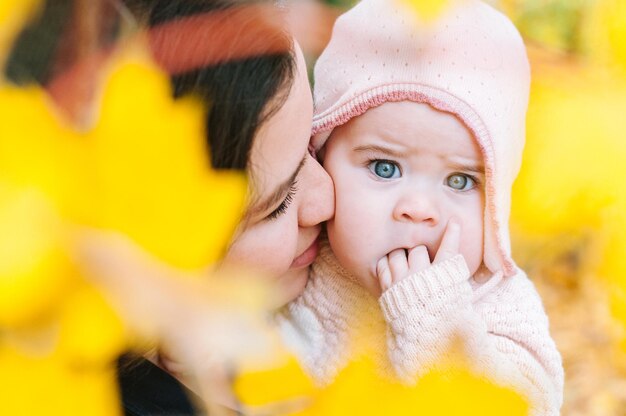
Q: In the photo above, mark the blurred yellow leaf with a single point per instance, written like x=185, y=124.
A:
x=13, y=13
x=38, y=150
x=604, y=32
x=284, y=382
x=613, y=267
x=154, y=177
x=427, y=10
x=569, y=197
x=573, y=160
x=91, y=334
x=46, y=385
x=35, y=272
x=446, y=390
x=143, y=170
x=449, y=388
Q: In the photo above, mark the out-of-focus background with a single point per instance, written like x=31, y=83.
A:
x=569, y=204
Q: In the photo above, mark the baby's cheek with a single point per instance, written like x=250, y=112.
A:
x=352, y=234
x=472, y=248
x=353, y=218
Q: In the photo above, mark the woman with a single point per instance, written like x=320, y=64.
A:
x=259, y=111
x=252, y=76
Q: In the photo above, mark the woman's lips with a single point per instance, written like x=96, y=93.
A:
x=307, y=256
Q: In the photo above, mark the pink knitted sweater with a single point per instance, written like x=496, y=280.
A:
x=501, y=324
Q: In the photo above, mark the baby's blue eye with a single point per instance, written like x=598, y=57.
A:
x=385, y=169
x=461, y=182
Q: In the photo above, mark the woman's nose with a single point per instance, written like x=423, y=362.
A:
x=417, y=207
x=318, y=195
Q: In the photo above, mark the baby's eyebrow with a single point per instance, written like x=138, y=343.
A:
x=468, y=167
x=372, y=148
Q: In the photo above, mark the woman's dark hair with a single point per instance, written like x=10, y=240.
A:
x=245, y=74
x=239, y=94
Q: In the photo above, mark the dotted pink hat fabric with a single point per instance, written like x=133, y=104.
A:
x=470, y=62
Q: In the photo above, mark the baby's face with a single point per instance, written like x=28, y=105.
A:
x=401, y=172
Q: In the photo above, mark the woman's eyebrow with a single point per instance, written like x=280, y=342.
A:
x=278, y=194
x=378, y=149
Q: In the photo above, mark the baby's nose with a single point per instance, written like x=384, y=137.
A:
x=416, y=208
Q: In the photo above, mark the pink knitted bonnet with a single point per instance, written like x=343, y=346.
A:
x=470, y=62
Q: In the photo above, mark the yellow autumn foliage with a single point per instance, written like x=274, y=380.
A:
x=568, y=218
x=604, y=32
x=148, y=179
x=39, y=151
x=35, y=272
x=90, y=333
x=572, y=170
x=569, y=221
x=571, y=180
x=281, y=382
x=153, y=178
x=427, y=10
x=448, y=389
x=13, y=14
x=142, y=170
x=46, y=384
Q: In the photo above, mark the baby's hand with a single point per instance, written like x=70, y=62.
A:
x=402, y=263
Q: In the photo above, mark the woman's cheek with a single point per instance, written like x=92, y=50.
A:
x=279, y=243
x=268, y=246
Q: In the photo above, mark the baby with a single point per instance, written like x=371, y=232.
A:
x=422, y=129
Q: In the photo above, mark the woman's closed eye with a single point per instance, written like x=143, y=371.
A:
x=461, y=182
x=282, y=208
x=384, y=169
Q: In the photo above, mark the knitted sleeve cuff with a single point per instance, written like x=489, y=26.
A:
x=426, y=288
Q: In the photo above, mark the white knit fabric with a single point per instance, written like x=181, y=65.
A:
x=504, y=331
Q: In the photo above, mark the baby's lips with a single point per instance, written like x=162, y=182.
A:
x=429, y=248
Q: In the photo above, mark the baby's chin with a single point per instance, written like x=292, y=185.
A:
x=367, y=278
x=362, y=274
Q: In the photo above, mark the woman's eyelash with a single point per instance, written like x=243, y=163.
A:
x=282, y=208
